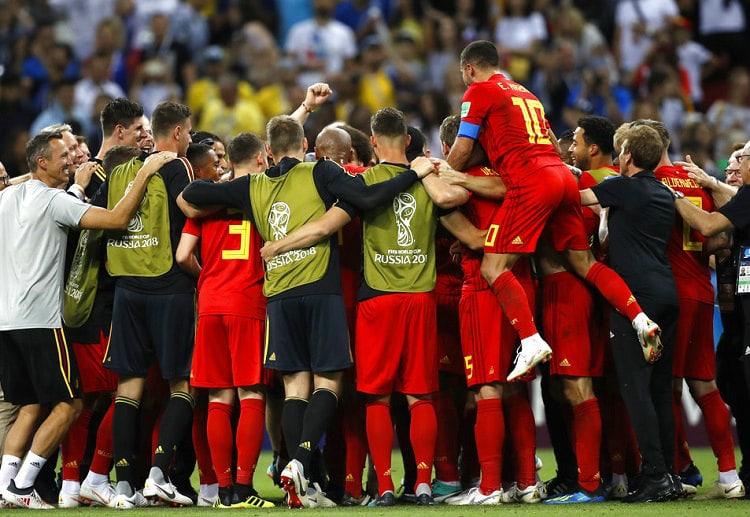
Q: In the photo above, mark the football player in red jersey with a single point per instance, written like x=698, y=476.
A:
x=488, y=342
x=573, y=324
x=509, y=122
x=228, y=354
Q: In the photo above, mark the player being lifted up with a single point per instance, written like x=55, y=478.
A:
x=509, y=122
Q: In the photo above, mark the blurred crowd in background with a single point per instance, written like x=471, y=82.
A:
x=237, y=63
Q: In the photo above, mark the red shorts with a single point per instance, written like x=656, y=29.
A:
x=694, y=356
x=571, y=327
x=449, y=334
x=548, y=199
x=396, y=344
x=90, y=357
x=228, y=352
x=488, y=340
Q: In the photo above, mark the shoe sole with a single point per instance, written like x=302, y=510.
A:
x=294, y=501
x=543, y=357
x=652, y=347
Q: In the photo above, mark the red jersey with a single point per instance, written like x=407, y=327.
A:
x=509, y=121
x=449, y=274
x=480, y=211
x=231, y=280
x=350, y=251
x=687, y=248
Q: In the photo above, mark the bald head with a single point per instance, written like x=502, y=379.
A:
x=333, y=143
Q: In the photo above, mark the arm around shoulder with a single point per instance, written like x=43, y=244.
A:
x=118, y=218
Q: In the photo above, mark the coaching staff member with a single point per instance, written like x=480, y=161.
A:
x=640, y=223
x=37, y=369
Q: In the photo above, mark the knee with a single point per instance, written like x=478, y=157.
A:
x=573, y=395
x=700, y=388
x=490, y=271
x=70, y=410
x=578, y=391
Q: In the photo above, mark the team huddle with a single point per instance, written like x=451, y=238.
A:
x=370, y=291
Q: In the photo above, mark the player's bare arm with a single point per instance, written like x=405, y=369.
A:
x=185, y=254
x=97, y=218
x=317, y=94
x=308, y=234
x=462, y=229
x=588, y=197
x=490, y=187
x=442, y=194
x=707, y=223
x=460, y=154
x=720, y=191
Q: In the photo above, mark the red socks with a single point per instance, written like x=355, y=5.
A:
x=101, y=463
x=520, y=421
x=221, y=438
x=587, y=424
x=356, y=447
x=717, y=420
x=74, y=446
x=380, y=439
x=206, y=474
x=446, y=447
x=681, y=449
x=250, y=430
x=423, y=434
x=489, y=432
x=512, y=298
x=614, y=289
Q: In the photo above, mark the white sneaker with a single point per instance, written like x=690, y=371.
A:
x=124, y=502
x=206, y=501
x=472, y=496
x=532, y=494
x=70, y=500
x=101, y=495
x=534, y=350
x=294, y=483
x=166, y=492
x=723, y=491
x=208, y=495
x=26, y=498
x=649, y=337
x=317, y=498
x=510, y=491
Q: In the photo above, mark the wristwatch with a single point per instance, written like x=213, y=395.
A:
x=677, y=194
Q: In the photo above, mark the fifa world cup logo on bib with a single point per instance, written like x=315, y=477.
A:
x=135, y=224
x=278, y=218
x=404, y=206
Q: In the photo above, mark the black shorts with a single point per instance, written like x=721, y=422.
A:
x=148, y=328
x=37, y=367
x=307, y=333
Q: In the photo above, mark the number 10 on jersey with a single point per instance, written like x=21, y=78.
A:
x=533, y=115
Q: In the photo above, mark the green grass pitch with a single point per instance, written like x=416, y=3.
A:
x=703, y=458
